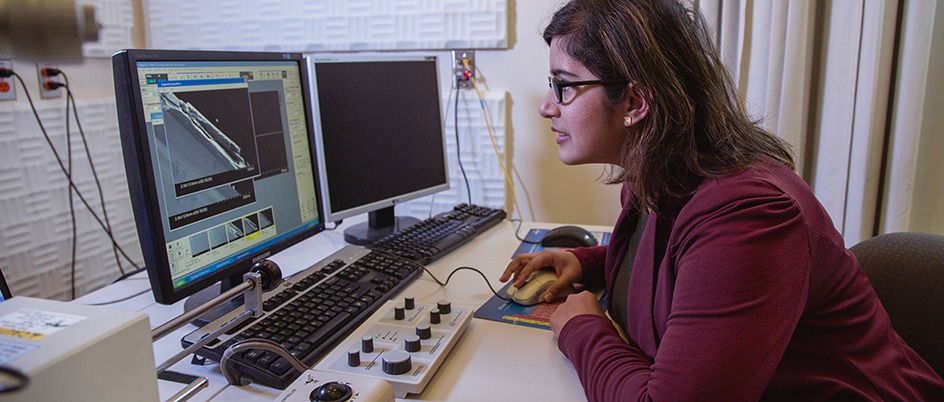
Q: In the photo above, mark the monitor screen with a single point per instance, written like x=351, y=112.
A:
x=378, y=123
x=220, y=163
x=4, y=289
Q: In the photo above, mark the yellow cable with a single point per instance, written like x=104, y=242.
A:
x=511, y=184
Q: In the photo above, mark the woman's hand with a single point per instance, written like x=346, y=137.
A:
x=576, y=304
x=565, y=264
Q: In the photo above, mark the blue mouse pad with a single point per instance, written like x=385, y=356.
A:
x=536, y=316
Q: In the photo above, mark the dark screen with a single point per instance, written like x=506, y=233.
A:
x=381, y=130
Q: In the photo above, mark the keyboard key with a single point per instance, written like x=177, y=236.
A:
x=280, y=366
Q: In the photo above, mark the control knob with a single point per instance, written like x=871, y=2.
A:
x=444, y=306
x=367, y=344
x=397, y=362
x=353, y=358
x=412, y=343
x=423, y=331
x=398, y=313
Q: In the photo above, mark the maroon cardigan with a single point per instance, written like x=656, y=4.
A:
x=742, y=292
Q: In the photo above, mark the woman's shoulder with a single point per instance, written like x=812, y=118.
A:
x=765, y=178
x=767, y=187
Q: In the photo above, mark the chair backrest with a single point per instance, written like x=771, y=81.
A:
x=907, y=271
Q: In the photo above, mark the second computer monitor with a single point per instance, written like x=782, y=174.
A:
x=378, y=123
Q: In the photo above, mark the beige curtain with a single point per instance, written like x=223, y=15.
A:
x=851, y=85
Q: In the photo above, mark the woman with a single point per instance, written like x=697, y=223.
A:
x=740, y=287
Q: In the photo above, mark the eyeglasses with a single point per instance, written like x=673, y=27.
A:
x=558, y=86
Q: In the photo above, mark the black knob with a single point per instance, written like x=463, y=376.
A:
x=444, y=306
x=398, y=313
x=367, y=344
x=353, y=358
x=412, y=343
x=270, y=272
x=434, y=316
x=397, y=362
x=331, y=392
x=409, y=303
x=423, y=331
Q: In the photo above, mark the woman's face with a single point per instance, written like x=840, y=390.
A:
x=589, y=128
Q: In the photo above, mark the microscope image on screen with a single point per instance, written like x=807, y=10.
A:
x=209, y=138
x=215, y=143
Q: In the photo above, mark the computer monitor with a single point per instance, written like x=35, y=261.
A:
x=378, y=123
x=4, y=289
x=220, y=163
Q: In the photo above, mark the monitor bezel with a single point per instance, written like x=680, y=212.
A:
x=331, y=215
x=141, y=178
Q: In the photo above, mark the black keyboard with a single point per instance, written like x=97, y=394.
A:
x=309, y=312
x=428, y=240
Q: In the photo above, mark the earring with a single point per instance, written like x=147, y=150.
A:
x=629, y=120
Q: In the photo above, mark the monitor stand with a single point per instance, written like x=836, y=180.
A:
x=380, y=223
x=200, y=298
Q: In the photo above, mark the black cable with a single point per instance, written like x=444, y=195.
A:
x=15, y=380
x=88, y=154
x=127, y=275
x=71, y=202
x=519, y=236
x=63, y=168
x=458, y=153
x=443, y=284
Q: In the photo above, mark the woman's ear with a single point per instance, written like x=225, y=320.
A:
x=635, y=106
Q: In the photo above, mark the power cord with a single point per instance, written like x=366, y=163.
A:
x=88, y=154
x=71, y=194
x=488, y=126
x=458, y=152
x=5, y=73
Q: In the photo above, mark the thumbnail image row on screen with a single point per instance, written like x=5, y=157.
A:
x=246, y=229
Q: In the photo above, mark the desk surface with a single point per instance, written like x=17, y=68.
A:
x=491, y=360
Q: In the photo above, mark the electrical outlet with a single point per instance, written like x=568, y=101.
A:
x=463, y=74
x=7, y=89
x=45, y=93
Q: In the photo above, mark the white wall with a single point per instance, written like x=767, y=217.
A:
x=547, y=190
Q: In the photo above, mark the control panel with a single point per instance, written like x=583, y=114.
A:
x=404, y=347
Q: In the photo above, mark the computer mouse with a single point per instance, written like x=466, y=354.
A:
x=532, y=291
x=568, y=236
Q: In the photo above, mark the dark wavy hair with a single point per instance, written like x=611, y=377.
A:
x=697, y=126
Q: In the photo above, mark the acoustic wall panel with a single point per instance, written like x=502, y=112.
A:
x=36, y=225
x=486, y=178
x=36, y=229
x=326, y=25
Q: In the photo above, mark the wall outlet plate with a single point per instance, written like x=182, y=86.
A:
x=45, y=93
x=458, y=68
x=7, y=89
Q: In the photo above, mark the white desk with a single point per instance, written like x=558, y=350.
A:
x=491, y=361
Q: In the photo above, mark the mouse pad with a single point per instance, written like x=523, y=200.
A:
x=531, y=241
x=536, y=316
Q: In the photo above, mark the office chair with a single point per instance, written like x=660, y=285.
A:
x=907, y=271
